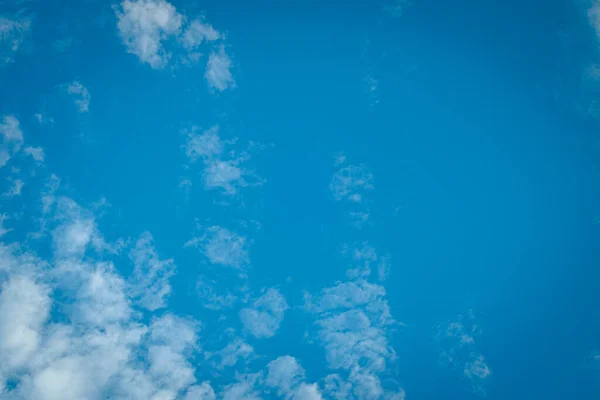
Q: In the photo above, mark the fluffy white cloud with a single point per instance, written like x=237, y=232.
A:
x=24, y=307
x=150, y=279
x=353, y=319
x=222, y=170
x=81, y=96
x=151, y=29
x=458, y=342
x=223, y=247
x=12, y=138
x=218, y=70
x=287, y=376
x=12, y=35
x=262, y=320
x=144, y=25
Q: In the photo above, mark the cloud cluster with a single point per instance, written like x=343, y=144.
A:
x=154, y=30
x=98, y=347
x=457, y=339
x=353, y=319
x=263, y=318
x=222, y=169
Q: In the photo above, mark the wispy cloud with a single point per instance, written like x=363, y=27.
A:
x=235, y=351
x=81, y=96
x=15, y=188
x=150, y=279
x=262, y=320
x=12, y=34
x=458, y=342
x=12, y=138
x=350, y=182
x=222, y=169
x=222, y=247
x=218, y=70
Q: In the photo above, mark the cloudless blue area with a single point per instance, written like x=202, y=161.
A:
x=486, y=181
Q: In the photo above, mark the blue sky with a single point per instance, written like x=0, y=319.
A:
x=299, y=200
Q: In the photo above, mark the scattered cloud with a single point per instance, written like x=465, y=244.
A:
x=222, y=170
x=15, y=189
x=155, y=31
x=458, y=342
x=12, y=138
x=144, y=25
x=218, y=70
x=43, y=119
x=353, y=320
x=199, y=32
x=222, y=247
x=236, y=350
x=12, y=34
x=150, y=279
x=263, y=318
x=349, y=183
x=81, y=96
x=287, y=376
x=37, y=153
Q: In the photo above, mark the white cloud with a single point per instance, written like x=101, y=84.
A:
x=198, y=32
x=262, y=320
x=459, y=350
x=218, y=70
x=81, y=96
x=353, y=322
x=284, y=373
x=307, y=391
x=24, y=307
x=15, y=189
x=350, y=182
x=150, y=280
x=223, y=247
x=12, y=138
x=287, y=376
x=200, y=392
x=144, y=25
x=222, y=170
x=245, y=389
x=12, y=35
x=231, y=354
x=37, y=153
x=211, y=299
x=151, y=29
